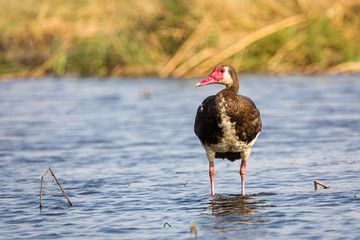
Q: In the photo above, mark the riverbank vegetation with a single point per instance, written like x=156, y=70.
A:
x=174, y=38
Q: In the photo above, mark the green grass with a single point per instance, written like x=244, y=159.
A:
x=177, y=38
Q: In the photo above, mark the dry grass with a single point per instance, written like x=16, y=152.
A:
x=177, y=38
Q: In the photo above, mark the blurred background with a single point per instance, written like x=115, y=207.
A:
x=177, y=38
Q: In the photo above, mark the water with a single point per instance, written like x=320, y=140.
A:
x=134, y=169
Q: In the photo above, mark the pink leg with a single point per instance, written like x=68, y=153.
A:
x=243, y=174
x=212, y=174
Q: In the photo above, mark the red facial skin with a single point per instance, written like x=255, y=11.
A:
x=215, y=77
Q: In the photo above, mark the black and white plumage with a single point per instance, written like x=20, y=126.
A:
x=227, y=124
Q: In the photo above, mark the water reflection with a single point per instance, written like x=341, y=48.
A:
x=234, y=212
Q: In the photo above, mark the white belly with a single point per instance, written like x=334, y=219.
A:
x=230, y=144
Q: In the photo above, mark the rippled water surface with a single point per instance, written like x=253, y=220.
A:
x=133, y=168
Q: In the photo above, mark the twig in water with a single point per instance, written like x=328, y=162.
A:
x=167, y=224
x=193, y=230
x=57, y=182
x=186, y=182
x=317, y=182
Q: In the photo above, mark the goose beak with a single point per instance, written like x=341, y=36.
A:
x=215, y=77
x=209, y=80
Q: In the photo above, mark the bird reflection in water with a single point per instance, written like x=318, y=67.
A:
x=236, y=212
